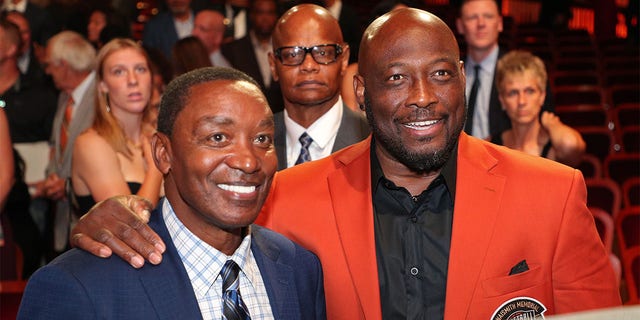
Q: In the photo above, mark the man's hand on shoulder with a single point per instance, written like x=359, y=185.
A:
x=119, y=225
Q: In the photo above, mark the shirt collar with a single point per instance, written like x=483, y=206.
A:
x=82, y=88
x=448, y=172
x=266, y=47
x=488, y=64
x=203, y=262
x=322, y=131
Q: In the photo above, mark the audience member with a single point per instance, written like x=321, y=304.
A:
x=346, y=89
x=349, y=24
x=215, y=148
x=28, y=62
x=421, y=220
x=30, y=106
x=250, y=54
x=105, y=25
x=113, y=157
x=189, y=54
x=41, y=22
x=235, y=17
x=30, y=109
x=69, y=60
x=309, y=60
x=7, y=178
x=162, y=71
x=164, y=29
x=98, y=19
x=17, y=226
x=521, y=79
x=208, y=26
x=480, y=23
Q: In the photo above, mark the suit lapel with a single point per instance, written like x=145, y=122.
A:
x=350, y=188
x=277, y=276
x=350, y=130
x=167, y=284
x=478, y=194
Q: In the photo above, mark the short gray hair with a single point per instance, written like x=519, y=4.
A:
x=74, y=49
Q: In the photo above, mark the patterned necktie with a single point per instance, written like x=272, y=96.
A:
x=66, y=121
x=305, y=141
x=472, y=100
x=233, y=308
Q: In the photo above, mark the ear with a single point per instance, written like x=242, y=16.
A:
x=161, y=149
x=272, y=66
x=358, y=88
x=103, y=87
x=344, y=59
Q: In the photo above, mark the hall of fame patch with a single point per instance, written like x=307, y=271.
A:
x=520, y=308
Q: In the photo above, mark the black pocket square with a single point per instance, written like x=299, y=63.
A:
x=521, y=267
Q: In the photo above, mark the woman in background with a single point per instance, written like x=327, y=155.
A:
x=521, y=79
x=113, y=157
x=189, y=54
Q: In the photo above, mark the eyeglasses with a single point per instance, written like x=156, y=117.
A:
x=322, y=54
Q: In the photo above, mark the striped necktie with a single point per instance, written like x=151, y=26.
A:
x=233, y=308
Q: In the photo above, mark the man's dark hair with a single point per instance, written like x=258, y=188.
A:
x=178, y=92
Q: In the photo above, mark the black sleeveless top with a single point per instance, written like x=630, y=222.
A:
x=545, y=150
x=84, y=203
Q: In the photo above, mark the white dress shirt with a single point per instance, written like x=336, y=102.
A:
x=481, y=112
x=203, y=264
x=323, y=132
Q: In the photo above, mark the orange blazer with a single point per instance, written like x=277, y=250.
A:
x=508, y=207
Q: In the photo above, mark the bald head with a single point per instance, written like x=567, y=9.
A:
x=311, y=86
x=208, y=26
x=405, y=27
x=306, y=17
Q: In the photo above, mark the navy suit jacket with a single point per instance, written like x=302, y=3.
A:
x=353, y=128
x=78, y=285
x=160, y=33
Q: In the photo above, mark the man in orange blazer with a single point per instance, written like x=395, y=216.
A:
x=421, y=220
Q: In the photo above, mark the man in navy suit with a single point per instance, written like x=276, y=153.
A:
x=250, y=54
x=167, y=27
x=218, y=161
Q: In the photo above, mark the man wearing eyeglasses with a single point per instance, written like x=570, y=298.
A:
x=309, y=59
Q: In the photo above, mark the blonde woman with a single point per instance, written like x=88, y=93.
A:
x=521, y=79
x=113, y=157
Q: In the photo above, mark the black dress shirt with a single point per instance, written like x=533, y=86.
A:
x=413, y=238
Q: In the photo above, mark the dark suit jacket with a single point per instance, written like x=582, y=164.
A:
x=353, y=128
x=78, y=285
x=160, y=33
x=351, y=29
x=498, y=119
x=40, y=22
x=240, y=53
